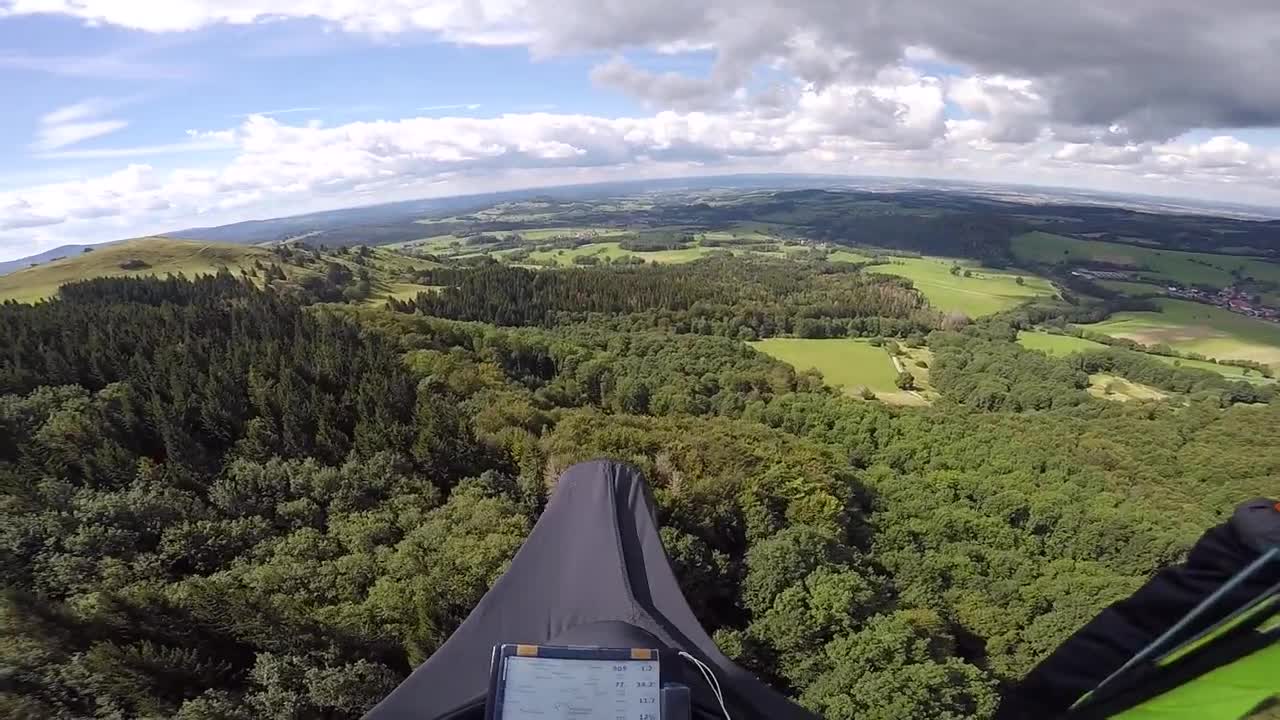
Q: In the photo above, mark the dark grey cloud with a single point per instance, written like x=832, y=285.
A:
x=670, y=90
x=1155, y=67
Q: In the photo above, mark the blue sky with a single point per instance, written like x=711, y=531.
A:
x=125, y=118
x=211, y=79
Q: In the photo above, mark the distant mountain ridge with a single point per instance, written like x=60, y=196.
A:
x=61, y=251
x=397, y=221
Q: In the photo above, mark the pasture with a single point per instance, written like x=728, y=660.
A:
x=1194, y=327
x=564, y=257
x=1059, y=345
x=845, y=363
x=848, y=256
x=1186, y=268
x=1131, y=288
x=1051, y=344
x=985, y=292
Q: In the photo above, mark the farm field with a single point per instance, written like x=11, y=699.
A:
x=1183, y=267
x=845, y=363
x=986, y=292
x=849, y=256
x=162, y=256
x=564, y=257
x=542, y=234
x=437, y=244
x=1066, y=344
x=747, y=234
x=1131, y=288
x=1194, y=327
x=1051, y=344
x=1228, y=371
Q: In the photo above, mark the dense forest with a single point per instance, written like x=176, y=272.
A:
x=744, y=298
x=219, y=501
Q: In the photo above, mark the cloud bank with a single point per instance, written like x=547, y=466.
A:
x=1145, y=95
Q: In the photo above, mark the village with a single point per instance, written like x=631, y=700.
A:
x=1229, y=298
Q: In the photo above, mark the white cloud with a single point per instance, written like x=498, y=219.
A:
x=1013, y=108
x=282, y=111
x=1095, y=93
x=1103, y=154
x=665, y=90
x=115, y=66
x=1155, y=69
x=52, y=137
x=894, y=124
x=137, y=151
x=75, y=123
x=901, y=109
x=82, y=110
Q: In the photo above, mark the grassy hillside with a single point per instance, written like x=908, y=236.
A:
x=162, y=256
x=1228, y=371
x=389, y=271
x=1113, y=387
x=1194, y=327
x=1186, y=268
x=985, y=292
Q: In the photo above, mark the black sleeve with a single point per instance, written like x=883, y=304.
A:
x=1122, y=630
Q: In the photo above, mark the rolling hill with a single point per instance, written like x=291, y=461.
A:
x=143, y=256
x=62, y=251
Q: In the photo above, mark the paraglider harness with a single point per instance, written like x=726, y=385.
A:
x=1226, y=671
x=592, y=583
x=1200, y=640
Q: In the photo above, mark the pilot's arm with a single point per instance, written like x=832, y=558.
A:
x=1124, y=629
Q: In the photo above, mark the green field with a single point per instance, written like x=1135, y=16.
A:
x=162, y=255
x=844, y=363
x=1113, y=387
x=1051, y=344
x=542, y=234
x=1229, y=371
x=436, y=244
x=1193, y=327
x=986, y=292
x=1058, y=345
x=1131, y=288
x=746, y=235
x=602, y=250
x=848, y=256
x=1186, y=268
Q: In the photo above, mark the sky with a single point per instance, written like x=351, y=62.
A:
x=125, y=117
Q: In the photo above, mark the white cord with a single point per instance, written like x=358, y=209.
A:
x=710, y=676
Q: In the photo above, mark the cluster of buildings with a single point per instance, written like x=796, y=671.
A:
x=1229, y=298
x=1101, y=274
